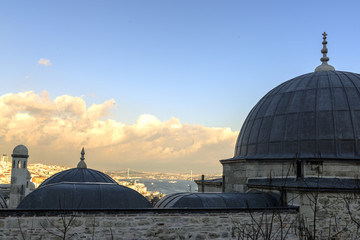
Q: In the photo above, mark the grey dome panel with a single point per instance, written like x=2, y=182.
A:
x=316, y=115
x=84, y=196
x=219, y=200
x=78, y=175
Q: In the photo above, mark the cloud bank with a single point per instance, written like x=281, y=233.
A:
x=55, y=130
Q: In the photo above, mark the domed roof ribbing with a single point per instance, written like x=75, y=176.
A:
x=313, y=116
x=219, y=200
x=84, y=196
x=78, y=175
x=316, y=115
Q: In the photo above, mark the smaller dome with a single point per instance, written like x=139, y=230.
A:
x=20, y=151
x=73, y=196
x=79, y=175
x=219, y=200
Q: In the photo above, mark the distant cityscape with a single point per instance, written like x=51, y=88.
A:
x=129, y=178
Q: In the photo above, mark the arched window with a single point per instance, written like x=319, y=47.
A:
x=13, y=164
x=24, y=164
x=18, y=164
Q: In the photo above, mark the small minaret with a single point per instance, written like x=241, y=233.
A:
x=324, y=66
x=82, y=163
x=20, y=176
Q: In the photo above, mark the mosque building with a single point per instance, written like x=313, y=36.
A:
x=305, y=128
x=298, y=152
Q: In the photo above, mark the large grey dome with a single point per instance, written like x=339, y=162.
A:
x=316, y=115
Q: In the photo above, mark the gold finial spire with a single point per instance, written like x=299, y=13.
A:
x=324, y=66
x=82, y=163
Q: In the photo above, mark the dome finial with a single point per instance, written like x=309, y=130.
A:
x=82, y=163
x=324, y=66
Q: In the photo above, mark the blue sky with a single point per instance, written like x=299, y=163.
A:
x=203, y=62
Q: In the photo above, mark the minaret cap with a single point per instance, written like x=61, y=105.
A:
x=20, y=151
x=82, y=163
x=324, y=66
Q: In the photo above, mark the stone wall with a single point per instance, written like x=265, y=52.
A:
x=237, y=172
x=146, y=224
x=211, y=188
x=333, y=168
x=332, y=215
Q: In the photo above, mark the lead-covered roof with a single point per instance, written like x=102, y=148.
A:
x=316, y=115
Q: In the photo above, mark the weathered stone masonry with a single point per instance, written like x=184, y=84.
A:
x=133, y=224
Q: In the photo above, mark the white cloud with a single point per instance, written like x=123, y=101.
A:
x=55, y=130
x=45, y=62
